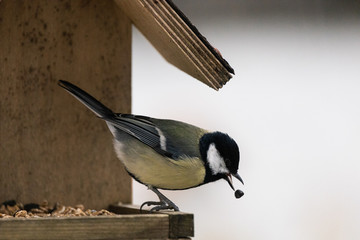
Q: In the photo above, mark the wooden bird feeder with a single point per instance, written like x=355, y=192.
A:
x=52, y=148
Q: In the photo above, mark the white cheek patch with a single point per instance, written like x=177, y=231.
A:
x=162, y=139
x=216, y=162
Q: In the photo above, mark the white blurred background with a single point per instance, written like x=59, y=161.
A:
x=293, y=107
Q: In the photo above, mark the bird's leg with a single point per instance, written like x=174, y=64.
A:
x=163, y=204
x=167, y=203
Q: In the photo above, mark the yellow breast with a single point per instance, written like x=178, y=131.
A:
x=153, y=169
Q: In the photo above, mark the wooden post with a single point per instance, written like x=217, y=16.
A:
x=52, y=147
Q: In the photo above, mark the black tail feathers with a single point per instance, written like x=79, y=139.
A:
x=89, y=101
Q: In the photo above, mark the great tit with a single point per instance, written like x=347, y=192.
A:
x=166, y=154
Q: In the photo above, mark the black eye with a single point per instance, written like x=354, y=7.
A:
x=231, y=165
x=227, y=162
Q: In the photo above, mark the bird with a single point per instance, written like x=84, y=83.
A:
x=166, y=154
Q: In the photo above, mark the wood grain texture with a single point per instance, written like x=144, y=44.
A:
x=153, y=226
x=175, y=40
x=51, y=146
x=181, y=225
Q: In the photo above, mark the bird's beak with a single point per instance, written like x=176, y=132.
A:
x=229, y=180
x=238, y=177
x=238, y=193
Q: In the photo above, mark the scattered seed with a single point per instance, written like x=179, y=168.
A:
x=10, y=209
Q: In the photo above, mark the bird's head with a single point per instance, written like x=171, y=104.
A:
x=221, y=156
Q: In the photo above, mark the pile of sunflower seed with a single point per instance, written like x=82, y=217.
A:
x=10, y=209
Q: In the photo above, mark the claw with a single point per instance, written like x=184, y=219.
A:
x=149, y=203
x=161, y=207
x=163, y=204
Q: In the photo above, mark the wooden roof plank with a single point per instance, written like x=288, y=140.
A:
x=179, y=36
x=214, y=60
x=172, y=34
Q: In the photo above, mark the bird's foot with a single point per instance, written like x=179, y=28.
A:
x=162, y=205
x=149, y=203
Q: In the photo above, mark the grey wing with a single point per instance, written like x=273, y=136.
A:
x=181, y=139
x=141, y=128
x=169, y=138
